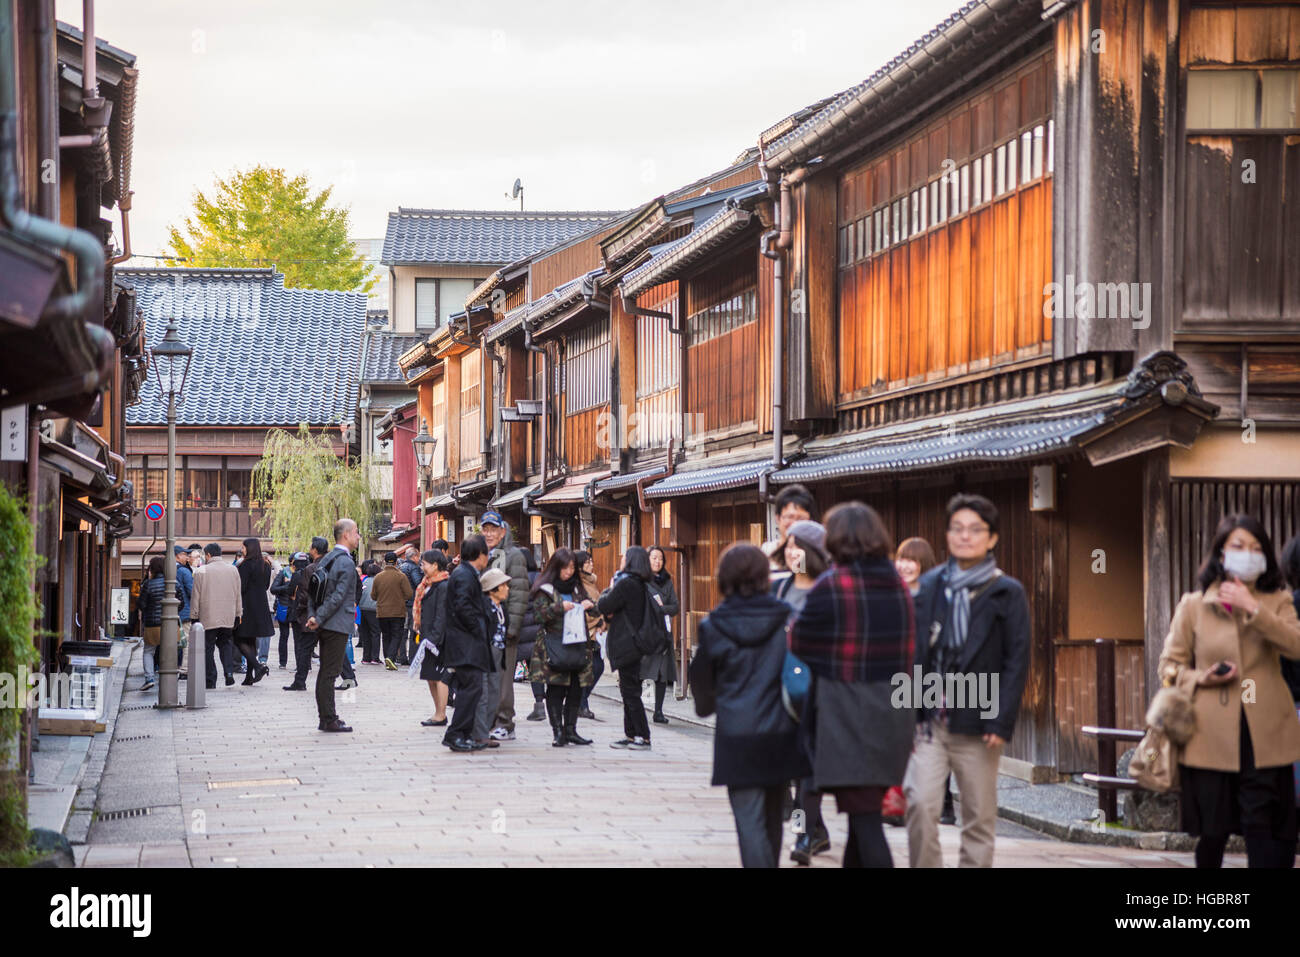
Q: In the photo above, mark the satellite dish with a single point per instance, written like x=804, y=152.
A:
x=518, y=188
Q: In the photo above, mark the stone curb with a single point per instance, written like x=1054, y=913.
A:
x=1084, y=832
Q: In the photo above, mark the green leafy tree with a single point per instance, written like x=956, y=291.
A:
x=19, y=609
x=306, y=488
x=262, y=217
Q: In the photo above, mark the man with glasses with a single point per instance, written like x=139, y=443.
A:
x=972, y=642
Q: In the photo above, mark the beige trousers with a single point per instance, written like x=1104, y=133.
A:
x=975, y=765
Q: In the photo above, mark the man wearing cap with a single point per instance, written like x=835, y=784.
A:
x=185, y=585
x=496, y=587
x=390, y=590
x=505, y=557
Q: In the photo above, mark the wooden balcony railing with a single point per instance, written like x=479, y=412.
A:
x=204, y=525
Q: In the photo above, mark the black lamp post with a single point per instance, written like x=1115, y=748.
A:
x=424, y=445
x=171, y=366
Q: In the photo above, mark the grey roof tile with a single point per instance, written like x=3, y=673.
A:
x=379, y=353
x=263, y=354
x=481, y=236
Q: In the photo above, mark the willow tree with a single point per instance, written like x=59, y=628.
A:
x=306, y=488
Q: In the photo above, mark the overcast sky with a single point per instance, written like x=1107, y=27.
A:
x=593, y=105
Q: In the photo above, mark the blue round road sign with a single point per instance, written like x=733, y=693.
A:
x=154, y=511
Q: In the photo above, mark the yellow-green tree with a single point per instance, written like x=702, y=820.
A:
x=306, y=488
x=262, y=217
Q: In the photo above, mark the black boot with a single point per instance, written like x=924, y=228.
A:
x=558, y=731
x=572, y=737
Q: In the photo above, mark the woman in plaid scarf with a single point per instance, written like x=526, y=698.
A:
x=856, y=632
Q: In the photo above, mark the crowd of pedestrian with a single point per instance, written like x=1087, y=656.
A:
x=800, y=662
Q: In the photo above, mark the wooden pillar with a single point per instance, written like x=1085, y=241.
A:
x=1156, y=564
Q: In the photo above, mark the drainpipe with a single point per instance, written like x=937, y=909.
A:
x=546, y=404
x=86, y=248
x=47, y=111
x=499, y=388
x=124, y=206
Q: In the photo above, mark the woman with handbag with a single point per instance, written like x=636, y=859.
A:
x=429, y=612
x=661, y=666
x=803, y=556
x=254, y=586
x=561, y=657
x=737, y=673
x=1224, y=652
x=150, y=608
x=856, y=631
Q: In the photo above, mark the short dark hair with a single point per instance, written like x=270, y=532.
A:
x=437, y=557
x=977, y=504
x=917, y=550
x=637, y=562
x=320, y=544
x=212, y=549
x=196, y=547
x=797, y=494
x=814, y=557
x=155, y=566
x=1291, y=562
x=473, y=547
x=742, y=571
x=390, y=558
x=854, y=531
x=438, y=544
x=1212, y=568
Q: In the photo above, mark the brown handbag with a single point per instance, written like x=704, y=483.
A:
x=1170, y=725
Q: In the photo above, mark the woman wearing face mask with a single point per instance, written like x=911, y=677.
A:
x=1223, y=650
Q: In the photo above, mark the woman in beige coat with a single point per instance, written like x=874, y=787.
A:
x=1224, y=649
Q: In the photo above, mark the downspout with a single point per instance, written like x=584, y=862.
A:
x=47, y=111
x=546, y=404
x=86, y=248
x=499, y=388
x=124, y=207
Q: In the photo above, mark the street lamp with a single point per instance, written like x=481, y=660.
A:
x=171, y=366
x=424, y=445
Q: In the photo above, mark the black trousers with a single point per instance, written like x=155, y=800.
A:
x=597, y=669
x=468, y=686
x=217, y=640
x=369, y=629
x=635, y=724
x=333, y=655
x=393, y=631
x=866, y=846
x=566, y=701
x=284, y=642
x=809, y=800
x=758, y=824
x=304, y=643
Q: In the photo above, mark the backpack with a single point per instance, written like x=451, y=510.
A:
x=651, y=636
x=319, y=579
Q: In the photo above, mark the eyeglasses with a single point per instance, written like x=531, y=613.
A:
x=975, y=531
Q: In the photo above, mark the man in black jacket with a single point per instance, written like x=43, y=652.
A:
x=304, y=641
x=972, y=655
x=467, y=652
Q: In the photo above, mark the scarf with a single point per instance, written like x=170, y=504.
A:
x=420, y=591
x=959, y=583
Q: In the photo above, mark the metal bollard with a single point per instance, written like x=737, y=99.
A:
x=196, y=685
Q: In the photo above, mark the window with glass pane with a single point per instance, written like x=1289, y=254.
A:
x=864, y=237
x=1221, y=99
x=238, y=493
x=988, y=177
x=1051, y=142
x=426, y=303
x=452, y=294
x=1026, y=156
x=1037, y=169
x=965, y=189
x=1280, y=98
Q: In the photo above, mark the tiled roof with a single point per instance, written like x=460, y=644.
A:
x=473, y=236
x=379, y=352
x=716, y=479
x=961, y=42
x=263, y=355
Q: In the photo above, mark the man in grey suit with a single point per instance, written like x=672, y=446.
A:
x=334, y=617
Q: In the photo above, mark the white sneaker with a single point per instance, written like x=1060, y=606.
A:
x=639, y=744
x=502, y=734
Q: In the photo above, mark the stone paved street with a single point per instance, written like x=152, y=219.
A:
x=250, y=782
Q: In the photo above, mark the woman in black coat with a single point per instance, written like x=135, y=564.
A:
x=755, y=745
x=661, y=667
x=623, y=606
x=256, y=622
x=557, y=591
x=430, y=614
